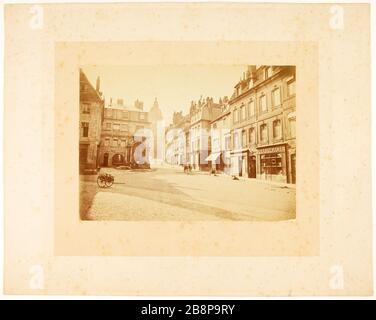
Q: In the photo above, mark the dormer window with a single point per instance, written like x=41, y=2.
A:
x=268, y=72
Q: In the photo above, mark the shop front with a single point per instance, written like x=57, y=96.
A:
x=195, y=160
x=239, y=163
x=117, y=159
x=272, y=163
x=216, y=161
x=227, y=162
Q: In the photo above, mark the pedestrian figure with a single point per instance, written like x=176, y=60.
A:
x=187, y=168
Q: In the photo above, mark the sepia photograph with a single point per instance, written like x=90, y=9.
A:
x=187, y=142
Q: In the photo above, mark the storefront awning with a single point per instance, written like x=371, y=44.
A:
x=239, y=151
x=213, y=156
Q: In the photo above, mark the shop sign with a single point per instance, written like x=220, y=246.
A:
x=276, y=149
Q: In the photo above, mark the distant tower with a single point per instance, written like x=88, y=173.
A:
x=155, y=114
x=156, y=119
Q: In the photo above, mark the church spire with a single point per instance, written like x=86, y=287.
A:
x=155, y=112
x=155, y=104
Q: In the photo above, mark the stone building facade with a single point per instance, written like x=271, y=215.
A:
x=263, y=124
x=176, y=139
x=126, y=135
x=252, y=134
x=221, y=139
x=91, y=118
x=201, y=114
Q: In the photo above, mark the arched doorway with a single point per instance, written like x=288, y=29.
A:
x=105, y=160
x=117, y=159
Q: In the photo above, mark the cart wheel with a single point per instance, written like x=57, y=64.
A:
x=109, y=182
x=101, y=182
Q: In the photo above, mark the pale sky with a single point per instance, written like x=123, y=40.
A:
x=175, y=86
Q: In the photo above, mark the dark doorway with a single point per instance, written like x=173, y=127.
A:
x=117, y=159
x=97, y=157
x=293, y=168
x=105, y=160
x=252, y=167
x=83, y=154
x=240, y=166
x=128, y=155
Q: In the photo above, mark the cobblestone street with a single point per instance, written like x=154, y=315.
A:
x=168, y=194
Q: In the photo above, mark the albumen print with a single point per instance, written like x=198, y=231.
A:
x=187, y=143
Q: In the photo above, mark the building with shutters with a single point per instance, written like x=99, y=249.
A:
x=177, y=134
x=263, y=137
x=220, y=133
x=201, y=115
x=91, y=118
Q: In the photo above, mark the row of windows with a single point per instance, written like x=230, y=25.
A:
x=194, y=144
x=117, y=126
x=85, y=108
x=268, y=72
x=195, y=131
x=124, y=114
x=249, y=110
x=240, y=137
x=115, y=142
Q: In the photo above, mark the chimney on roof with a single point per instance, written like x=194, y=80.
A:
x=98, y=85
x=252, y=71
x=139, y=105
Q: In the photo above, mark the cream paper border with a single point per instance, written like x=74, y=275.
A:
x=333, y=227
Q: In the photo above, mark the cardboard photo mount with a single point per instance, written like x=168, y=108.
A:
x=326, y=250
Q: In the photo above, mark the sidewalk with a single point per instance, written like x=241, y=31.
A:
x=227, y=176
x=252, y=180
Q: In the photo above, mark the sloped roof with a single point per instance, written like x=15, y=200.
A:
x=87, y=91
